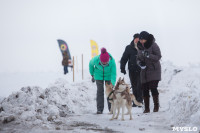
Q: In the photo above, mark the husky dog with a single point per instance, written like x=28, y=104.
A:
x=122, y=98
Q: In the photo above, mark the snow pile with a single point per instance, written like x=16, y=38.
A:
x=184, y=102
x=169, y=71
x=1, y=99
x=36, y=106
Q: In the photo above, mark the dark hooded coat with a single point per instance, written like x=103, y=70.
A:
x=153, y=68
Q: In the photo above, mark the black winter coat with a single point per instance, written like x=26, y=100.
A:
x=130, y=55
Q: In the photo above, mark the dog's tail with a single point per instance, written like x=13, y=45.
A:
x=135, y=101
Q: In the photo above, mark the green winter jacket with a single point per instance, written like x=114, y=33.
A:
x=103, y=73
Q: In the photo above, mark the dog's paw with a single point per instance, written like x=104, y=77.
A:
x=116, y=118
x=122, y=120
x=111, y=119
x=131, y=118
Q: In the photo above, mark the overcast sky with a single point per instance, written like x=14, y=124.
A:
x=29, y=30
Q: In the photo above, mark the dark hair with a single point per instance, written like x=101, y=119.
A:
x=144, y=35
x=136, y=36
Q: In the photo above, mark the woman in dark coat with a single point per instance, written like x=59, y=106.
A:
x=149, y=56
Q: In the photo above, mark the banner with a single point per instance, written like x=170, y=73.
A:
x=94, y=48
x=64, y=47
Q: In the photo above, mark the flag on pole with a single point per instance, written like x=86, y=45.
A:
x=94, y=48
x=64, y=48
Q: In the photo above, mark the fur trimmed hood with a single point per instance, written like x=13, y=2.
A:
x=148, y=43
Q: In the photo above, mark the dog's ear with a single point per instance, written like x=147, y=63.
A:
x=119, y=79
x=116, y=86
x=123, y=79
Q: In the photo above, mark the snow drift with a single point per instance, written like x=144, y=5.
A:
x=37, y=106
x=184, y=105
x=183, y=85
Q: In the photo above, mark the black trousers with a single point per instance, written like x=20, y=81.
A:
x=136, y=85
x=100, y=95
x=152, y=85
x=65, y=69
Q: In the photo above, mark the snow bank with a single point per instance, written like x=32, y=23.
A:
x=184, y=99
x=1, y=99
x=169, y=71
x=41, y=106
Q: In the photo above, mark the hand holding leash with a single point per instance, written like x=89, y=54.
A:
x=123, y=71
x=142, y=65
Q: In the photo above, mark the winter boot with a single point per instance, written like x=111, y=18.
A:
x=146, y=105
x=156, y=103
x=99, y=112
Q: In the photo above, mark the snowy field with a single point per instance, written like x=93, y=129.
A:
x=52, y=102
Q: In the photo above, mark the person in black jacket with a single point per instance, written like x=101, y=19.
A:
x=130, y=56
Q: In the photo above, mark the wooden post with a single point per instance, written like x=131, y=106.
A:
x=82, y=66
x=73, y=68
x=76, y=64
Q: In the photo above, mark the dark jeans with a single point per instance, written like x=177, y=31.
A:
x=152, y=85
x=136, y=85
x=65, y=69
x=100, y=95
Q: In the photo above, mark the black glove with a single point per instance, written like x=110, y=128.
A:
x=146, y=54
x=142, y=65
x=93, y=80
x=123, y=71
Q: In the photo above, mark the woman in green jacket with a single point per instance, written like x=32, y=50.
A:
x=102, y=68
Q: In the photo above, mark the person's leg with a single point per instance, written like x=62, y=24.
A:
x=133, y=84
x=139, y=97
x=155, y=94
x=100, y=95
x=145, y=88
x=64, y=70
x=109, y=104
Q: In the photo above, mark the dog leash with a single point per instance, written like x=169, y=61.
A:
x=110, y=95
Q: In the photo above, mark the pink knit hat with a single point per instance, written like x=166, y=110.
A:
x=104, y=57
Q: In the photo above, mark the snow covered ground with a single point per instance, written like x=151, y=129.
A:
x=51, y=102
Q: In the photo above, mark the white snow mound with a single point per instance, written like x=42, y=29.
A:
x=184, y=105
x=36, y=105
